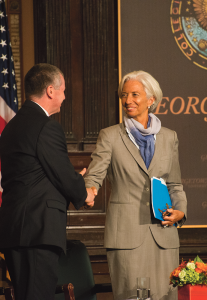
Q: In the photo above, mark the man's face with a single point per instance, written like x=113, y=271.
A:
x=59, y=96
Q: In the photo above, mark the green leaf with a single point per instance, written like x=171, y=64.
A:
x=197, y=259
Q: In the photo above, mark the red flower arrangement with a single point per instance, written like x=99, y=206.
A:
x=192, y=272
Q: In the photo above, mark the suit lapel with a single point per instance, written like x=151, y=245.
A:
x=158, y=151
x=132, y=148
x=136, y=153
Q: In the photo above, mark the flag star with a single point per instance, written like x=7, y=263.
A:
x=5, y=71
x=15, y=100
x=13, y=72
x=4, y=57
x=2, y=28
x=12, y=58
x=3, y=43
x=5, y=85
x=1, y=14
x=14, y=86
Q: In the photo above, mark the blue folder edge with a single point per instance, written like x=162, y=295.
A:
x=160, y=197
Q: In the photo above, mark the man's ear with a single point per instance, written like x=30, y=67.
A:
x=49, y=91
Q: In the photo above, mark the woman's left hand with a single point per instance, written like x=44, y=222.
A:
x=175, y=216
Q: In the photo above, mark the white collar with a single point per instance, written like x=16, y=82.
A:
x=42, y=108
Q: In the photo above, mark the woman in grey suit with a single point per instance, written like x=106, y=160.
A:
x=130, y=154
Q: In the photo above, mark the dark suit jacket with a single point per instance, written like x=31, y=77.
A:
x=38, y=181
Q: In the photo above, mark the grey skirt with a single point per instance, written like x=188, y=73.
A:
x=148, y=260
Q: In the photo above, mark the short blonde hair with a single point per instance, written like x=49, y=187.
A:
x=150, y=84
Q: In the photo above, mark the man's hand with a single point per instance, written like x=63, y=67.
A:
x=89, y=202
x=83, y=172
x=175, y=216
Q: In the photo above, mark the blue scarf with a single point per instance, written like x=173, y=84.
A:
x=144, y=138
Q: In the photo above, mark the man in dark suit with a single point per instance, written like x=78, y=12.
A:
x=38, y=183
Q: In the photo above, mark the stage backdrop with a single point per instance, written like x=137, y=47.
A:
x=168, y=39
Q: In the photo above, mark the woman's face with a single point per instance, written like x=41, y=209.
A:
x=134, y=100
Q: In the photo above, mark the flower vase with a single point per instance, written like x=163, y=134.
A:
x=192, y=292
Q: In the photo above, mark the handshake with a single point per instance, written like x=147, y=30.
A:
x=92, y=192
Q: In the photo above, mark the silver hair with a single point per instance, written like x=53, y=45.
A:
x=150, y=84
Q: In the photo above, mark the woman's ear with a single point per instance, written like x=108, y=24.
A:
x=151, y=100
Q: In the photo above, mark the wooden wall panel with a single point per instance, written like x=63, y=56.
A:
x=193, y=242
x=100, y=67
x=88, y=225
x=80, y=37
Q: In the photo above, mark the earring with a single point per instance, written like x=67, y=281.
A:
x=149, y=107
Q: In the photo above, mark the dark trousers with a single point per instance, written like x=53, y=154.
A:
x=33, y=271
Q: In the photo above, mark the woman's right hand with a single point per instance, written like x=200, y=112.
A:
x=92, y=192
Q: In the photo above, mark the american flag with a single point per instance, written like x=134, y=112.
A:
x=8, y=90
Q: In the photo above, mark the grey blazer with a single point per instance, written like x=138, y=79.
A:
x=129, y=215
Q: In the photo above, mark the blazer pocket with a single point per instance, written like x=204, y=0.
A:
x=121, y=229
x=56, y=204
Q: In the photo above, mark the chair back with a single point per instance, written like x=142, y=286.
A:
x=75, y=267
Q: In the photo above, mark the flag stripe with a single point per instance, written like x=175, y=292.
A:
x=2, y=124
x=5, y=111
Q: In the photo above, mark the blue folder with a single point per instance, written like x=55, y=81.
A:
x=160, y=197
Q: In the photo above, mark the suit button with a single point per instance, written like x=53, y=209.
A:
x=147, y=189
x=147, y=204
